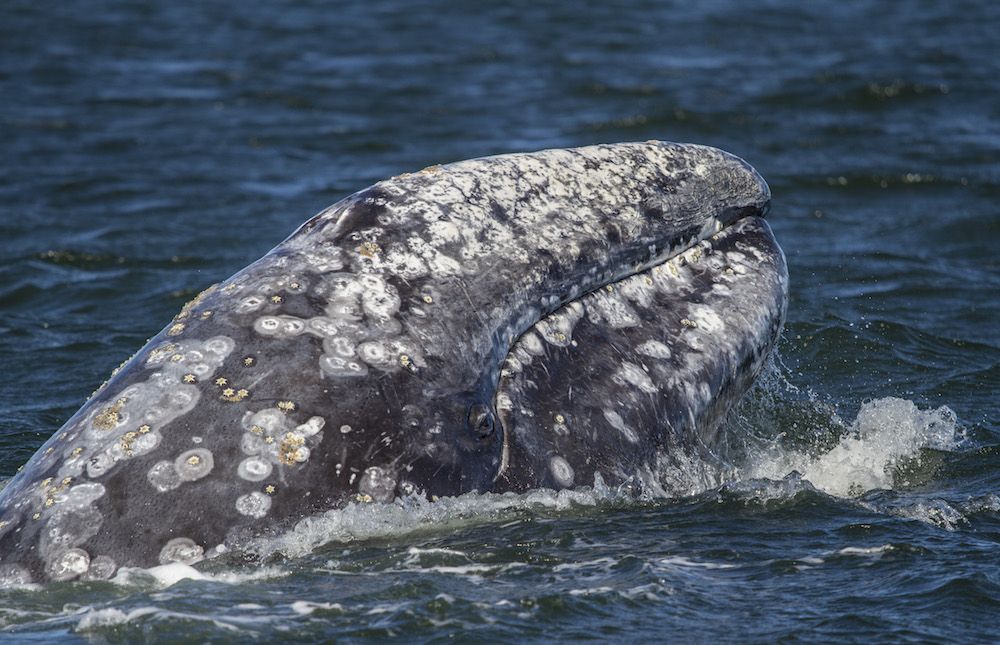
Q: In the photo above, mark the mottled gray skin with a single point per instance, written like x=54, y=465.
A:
x=358, y=360
x=626, y=379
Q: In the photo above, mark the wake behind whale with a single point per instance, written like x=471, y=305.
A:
x=490, y=325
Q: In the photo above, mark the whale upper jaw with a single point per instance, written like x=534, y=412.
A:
x=358, y=360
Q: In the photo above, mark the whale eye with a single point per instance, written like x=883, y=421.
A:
x=481, y=420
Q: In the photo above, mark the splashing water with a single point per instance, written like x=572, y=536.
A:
x=887, y=434
x=416, y=515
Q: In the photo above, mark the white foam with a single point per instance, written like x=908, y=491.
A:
x=305, y=607
x=417, y=551
x=166, y=575
x=361, y=521
x=887, y=433
x=595, y=591
x=465, y=571
x=866, y=551
x=603, y=564
x=680, y=561
x=93, y=618
x=931, y=511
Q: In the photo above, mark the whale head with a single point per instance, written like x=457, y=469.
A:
x=359, y=360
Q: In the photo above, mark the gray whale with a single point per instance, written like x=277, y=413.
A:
x=496, y=324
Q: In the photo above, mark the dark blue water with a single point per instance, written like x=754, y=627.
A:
x=149, y=150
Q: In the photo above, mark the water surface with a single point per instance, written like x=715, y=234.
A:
x=147, y=151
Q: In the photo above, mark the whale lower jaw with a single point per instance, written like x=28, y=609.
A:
x=609, y=383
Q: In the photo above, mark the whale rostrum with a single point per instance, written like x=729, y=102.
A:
x=496, y=324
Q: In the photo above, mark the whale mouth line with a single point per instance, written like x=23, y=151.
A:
x=657, y=255
x=712, y=227
x=617, y=272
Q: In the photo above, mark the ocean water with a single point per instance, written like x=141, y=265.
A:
x=148, y=150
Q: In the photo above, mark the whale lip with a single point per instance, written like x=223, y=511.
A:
x=760, y=207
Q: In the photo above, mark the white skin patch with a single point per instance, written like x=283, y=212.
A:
x=279, y=326
x=561, y=471
x=611, y=309
x=68, y=565
x=99, y=464
x=406, y=265
x=503, y=402
x=635, y=376
x=163, y=476
x=619, y=424
x=443, y=232
x=194, y=464
x=378, y=483
x=322, y=326
x=707, y=320
x=638, y=291
x=653, y=349
x=557, y=329
x=312, y=426
x=253, y=504
x=270, y=419
x=101, y=568
x=80, y=495
x=531, y=343
x=183, y=550
x=254, y=469
x=68, y=527
x=438, y=264
x=378, y=300
x=375, y=353
x=325, y=259
x=249, y=304
x=220, y=346
x=145, y=443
